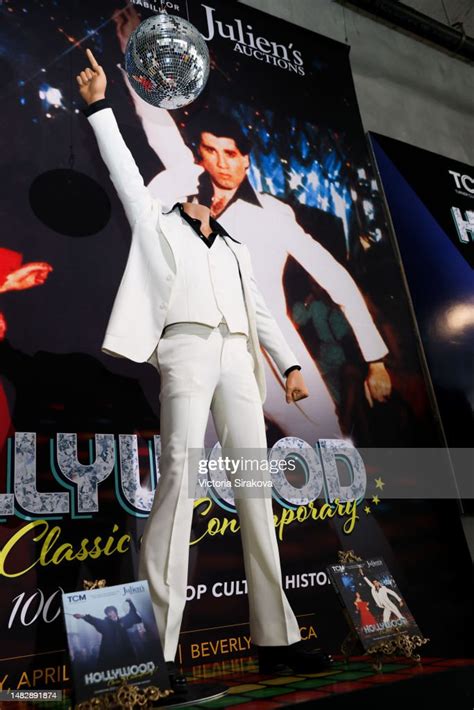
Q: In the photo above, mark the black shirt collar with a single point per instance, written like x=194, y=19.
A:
x=246, y=193
x=196, y=224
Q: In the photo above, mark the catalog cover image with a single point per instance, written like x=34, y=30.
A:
x=376, y=608
x=112, y=636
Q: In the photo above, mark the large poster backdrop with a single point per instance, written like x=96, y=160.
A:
x=80, y=430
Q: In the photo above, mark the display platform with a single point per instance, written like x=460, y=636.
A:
x=196, y=695
x=435, y=680
x=356, y=682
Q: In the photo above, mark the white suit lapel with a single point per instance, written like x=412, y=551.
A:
x=249, y=304
x=169, y=224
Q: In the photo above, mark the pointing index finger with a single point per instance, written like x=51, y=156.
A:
x=93, y=61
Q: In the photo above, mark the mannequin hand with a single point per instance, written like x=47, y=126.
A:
x=92, y=81
x=295, y=387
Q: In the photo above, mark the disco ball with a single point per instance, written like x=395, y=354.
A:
x=167, y=61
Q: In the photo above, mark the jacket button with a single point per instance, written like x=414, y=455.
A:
x=169, y=277
x=162, y=306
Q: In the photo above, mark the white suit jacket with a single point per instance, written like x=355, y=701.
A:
x=269, y=226
x=141, y=303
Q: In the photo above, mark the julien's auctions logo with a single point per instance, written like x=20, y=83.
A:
x=133, y=589
x=247, y=42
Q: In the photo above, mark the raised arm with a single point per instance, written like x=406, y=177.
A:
x=123, y=170
x=371, y=584
x=160, y=129
x=180, y=178
x=132, y=617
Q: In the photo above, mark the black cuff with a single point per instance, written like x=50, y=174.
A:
x=372, y=362
x=96, y=106
x=290, y=369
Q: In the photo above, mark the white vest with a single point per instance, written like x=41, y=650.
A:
x=207, y=287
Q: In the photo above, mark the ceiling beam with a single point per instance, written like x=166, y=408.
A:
x=405, y=18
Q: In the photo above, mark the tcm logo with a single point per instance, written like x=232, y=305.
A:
x=463, y=182
x=76, y=597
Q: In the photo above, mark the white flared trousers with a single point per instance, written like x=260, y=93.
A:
x=209, y=369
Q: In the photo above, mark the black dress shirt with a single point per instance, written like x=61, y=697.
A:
x=217, y=229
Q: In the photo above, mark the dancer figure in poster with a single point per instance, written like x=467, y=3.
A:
x=115, y=644
x=381, y=595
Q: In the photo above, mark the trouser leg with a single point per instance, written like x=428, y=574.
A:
x=238, y=416
x=393, y=609
x=310, y=419
x=189, y=367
